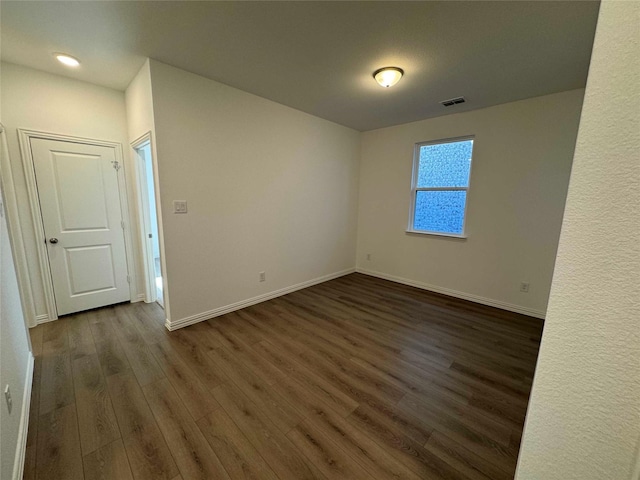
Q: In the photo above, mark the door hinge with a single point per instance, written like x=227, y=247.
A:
x=128, y=278
x=122, y=224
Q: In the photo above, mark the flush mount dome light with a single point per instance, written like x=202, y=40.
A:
x=67, y=60
x=388, y=76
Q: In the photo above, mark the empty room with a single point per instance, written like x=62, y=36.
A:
x=291, y=240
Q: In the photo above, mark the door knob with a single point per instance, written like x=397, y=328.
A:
x=53, y=240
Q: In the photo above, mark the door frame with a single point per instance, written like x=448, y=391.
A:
x=145, y=221
x=24, y=137
x=15, y=230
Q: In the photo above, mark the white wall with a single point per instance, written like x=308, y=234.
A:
x=583, y=421
x=521, y=164
x=269, y=189
x=140, y=122
x=40, y=101
x=139, y=104
x=16, y=362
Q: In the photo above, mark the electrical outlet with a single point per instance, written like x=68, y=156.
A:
x=179, y=206
x=524, y=287
x=7, y=397
x=368, y=256
x=263, y=276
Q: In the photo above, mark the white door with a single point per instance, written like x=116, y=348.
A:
x=80, y=204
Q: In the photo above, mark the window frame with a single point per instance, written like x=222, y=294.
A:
x=415, y=189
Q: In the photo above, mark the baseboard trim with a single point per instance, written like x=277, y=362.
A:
x=40, y=319
x=139, y=298
x=455, y=293
x=183, y=322
x=21, y=448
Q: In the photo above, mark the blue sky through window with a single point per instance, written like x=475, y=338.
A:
x=442, y=166
x=445, y=165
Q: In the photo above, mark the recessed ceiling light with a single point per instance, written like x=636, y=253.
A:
x=67, y=60
x=388, y=76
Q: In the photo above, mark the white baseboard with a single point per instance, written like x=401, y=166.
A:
x=455, y=293
x=138, y=298
x=183, y=322
x=40, y=319
x=21, y=445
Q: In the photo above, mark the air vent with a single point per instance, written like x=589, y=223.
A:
x=453, y=101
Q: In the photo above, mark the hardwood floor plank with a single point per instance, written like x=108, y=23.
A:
x=112, y=357
x=147, y=450
x=80, y=337
x=56, y=385
x=332, y=396
x=192, y=453
x=36, y=339
x=202, y=334
x=58, y=450
x=142, y=361
x=466, y=414
x=359, y=390
x=357, y=377
x=34, y=406
x=195, y=356
x=29, y=472
x=193, y=394
x=54, y=337
x=471, y=438
x=108, y=463
x=96, y=419
x=130, y=406
x=267, y=439
x=234, y=323
x=270, y=403
x=148, y=453
x=101, y=323
x=404, y=448
x=472, y=465
x=240, y=459
x=146, y=322
x=325, y=455
x=360, y=447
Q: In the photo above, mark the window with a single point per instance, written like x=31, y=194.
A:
x=440, y=183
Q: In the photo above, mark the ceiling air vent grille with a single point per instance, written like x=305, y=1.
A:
x=453, y=101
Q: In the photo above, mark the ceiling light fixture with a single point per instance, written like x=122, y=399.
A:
x=388, y=76
x=67, y=60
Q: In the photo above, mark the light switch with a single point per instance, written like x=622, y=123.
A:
x=179, y=206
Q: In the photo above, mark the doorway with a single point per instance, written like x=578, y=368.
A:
x=78, y=192
x=151, y=243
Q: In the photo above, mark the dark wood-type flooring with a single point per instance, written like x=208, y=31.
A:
x=356, y=378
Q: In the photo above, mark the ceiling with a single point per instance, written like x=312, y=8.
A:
x=318, y=57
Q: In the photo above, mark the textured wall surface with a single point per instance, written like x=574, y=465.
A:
x=584, y=415
x=522, y=157
x=269, y=189
x=14, y=352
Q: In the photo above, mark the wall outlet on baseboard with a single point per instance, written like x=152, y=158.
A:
x=524, y=287
x=7, y=397
x=263, y=276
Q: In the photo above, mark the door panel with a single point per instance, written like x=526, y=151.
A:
x=90, y=269
x=80, y=204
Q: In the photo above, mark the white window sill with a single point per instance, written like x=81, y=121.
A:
x=437, y=234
